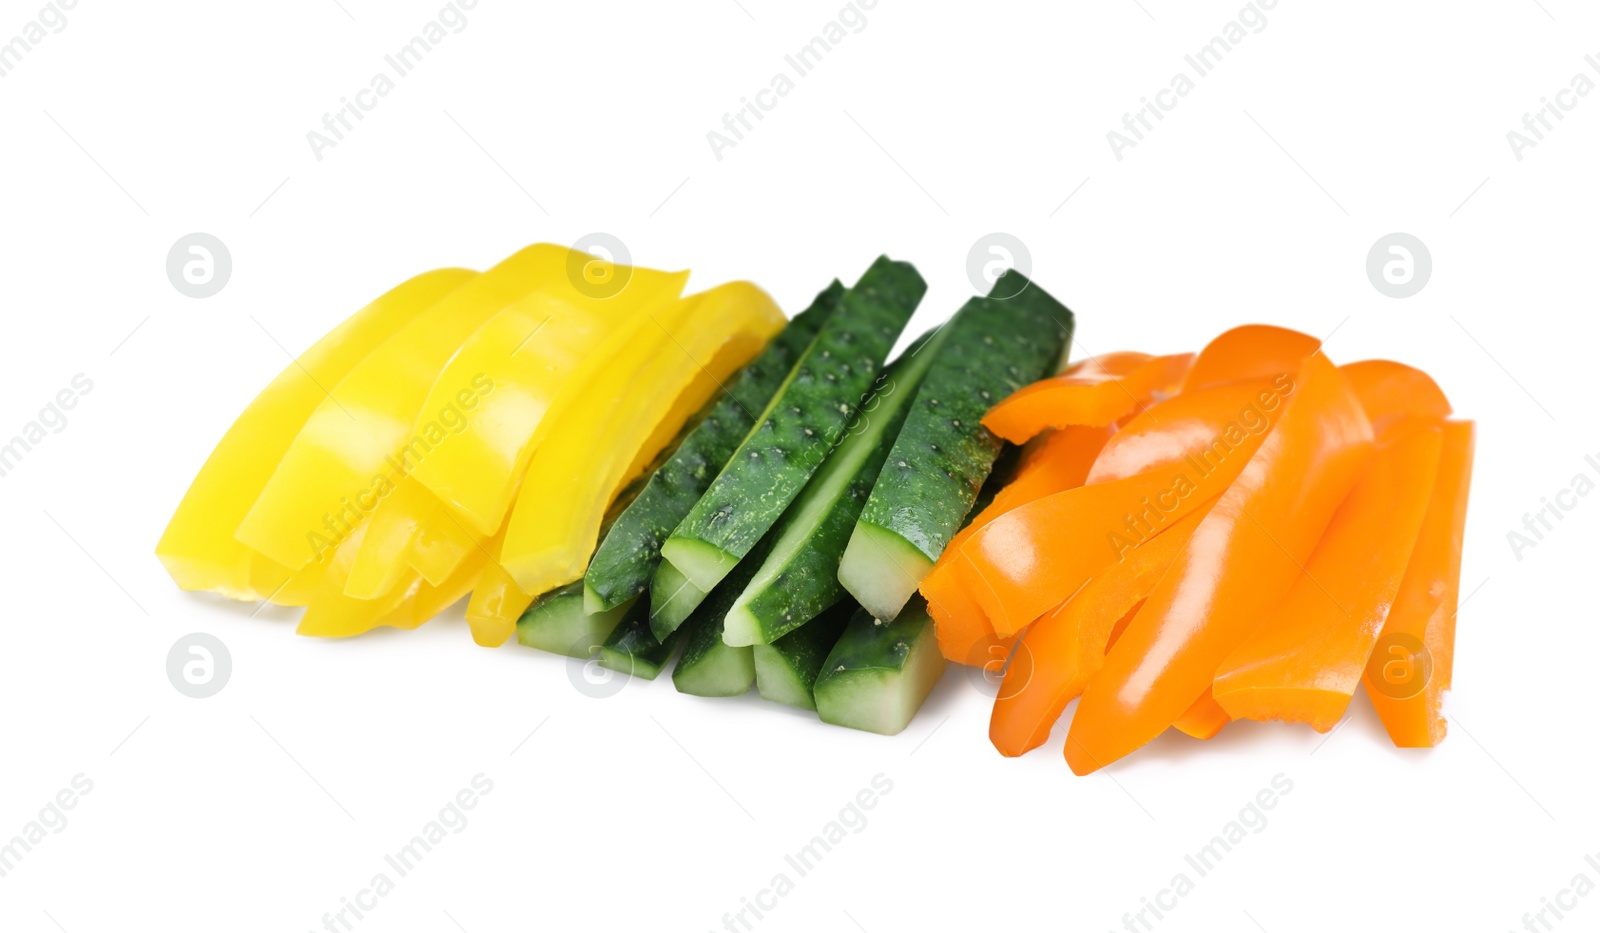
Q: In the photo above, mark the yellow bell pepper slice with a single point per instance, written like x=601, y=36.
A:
x=530, y=350
x=496, y=605
x=572, y=476
x=198, y=549
x=332, y=614
x=360, y=440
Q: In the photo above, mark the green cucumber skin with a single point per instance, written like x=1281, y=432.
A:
x=563, y=606
x=808, y=581
x=799, y=656
x=879, y=673
x=944, y=454
x=805, y=420
x=627, y=557
x=632, y=649
x=708, y=666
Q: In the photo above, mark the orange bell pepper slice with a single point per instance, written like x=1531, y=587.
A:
x=1410, y=668
x=1304, y=665
x=1097, y=391
x=1060, y=461
x=1062, y=649
x=1240, y=562
x=1028, y=561
x=1203, y=719
x=1253, y=351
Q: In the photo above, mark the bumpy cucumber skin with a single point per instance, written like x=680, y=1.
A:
x=879, y=673
x=800, y=425
x=622, y=565
x=632, y=649
x=800, y=655
x=943, y=453
x=809, y=580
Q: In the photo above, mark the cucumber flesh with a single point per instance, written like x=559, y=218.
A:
x=801, y=423
x=800, y=578
x=709, y=666
x=787, y=669
x=557, y=622
x=629, y=553
x=632, y=649
x=672, y=599
x=943, y=454
x=878, y=673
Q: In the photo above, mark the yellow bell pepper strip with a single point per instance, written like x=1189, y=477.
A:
x=531, y=351
x=573, y=475
x=1410, y=669
x=1068, y=644
x=440, y=543
x=496, y=604
x=1031, y=559
x=198, y=549
x=1306, y=664
x=1097, y=391
x=380, y=563
x=332, y=614
x=359, y=442
x=1204, y=719
x=1240, y=562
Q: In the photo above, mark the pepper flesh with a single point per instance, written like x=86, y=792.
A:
x=1069, y=644
x=571, y=478
x=198, y=548
x=1097, y=391
x=1424, y=609
x=1241, y=561
x=339, y=466
x=1203, y=719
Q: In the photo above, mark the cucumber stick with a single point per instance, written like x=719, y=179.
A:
x=629, y=553
x=558, y=622
x=709, y=666
x=800, y=578
x=798, y=427
x=672, y=598
x=787, y=669
x=878, y=673
x=943, y=453
x=632, y=649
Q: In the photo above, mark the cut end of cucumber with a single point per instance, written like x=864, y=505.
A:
x=721, y=671
x=672, y=599
x=557, y=622
x=635, y=665
x=777, y=681
x=881, y=570
x=879, y=673
x=741, y=628
x=702, y=564
x=592, y=601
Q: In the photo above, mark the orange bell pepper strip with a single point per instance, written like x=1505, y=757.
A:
x=1410, y=668
x=1097, y=391
x=1240, y=562
x=1060, y=461
x=1062, y=649
x=1031, y=559
x=1253, y=351
x=1305, y=665
x=1203, y=719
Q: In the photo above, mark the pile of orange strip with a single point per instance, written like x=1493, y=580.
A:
x=1245, y=533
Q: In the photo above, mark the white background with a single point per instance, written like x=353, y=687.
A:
x=1256, y=199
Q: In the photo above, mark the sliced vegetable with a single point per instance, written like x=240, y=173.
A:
x=632, y=649
x=555, y=524
x=799, y=425
x=709, y=666
x=672, y=599
x=800, y=578
x=943, y=454
x=787, y=669
x=878, y=673
x=1203, y=719
x=198, y=548
x=557, y=622
x=1097, y=391
x=1240, y=562
x=628, y=556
